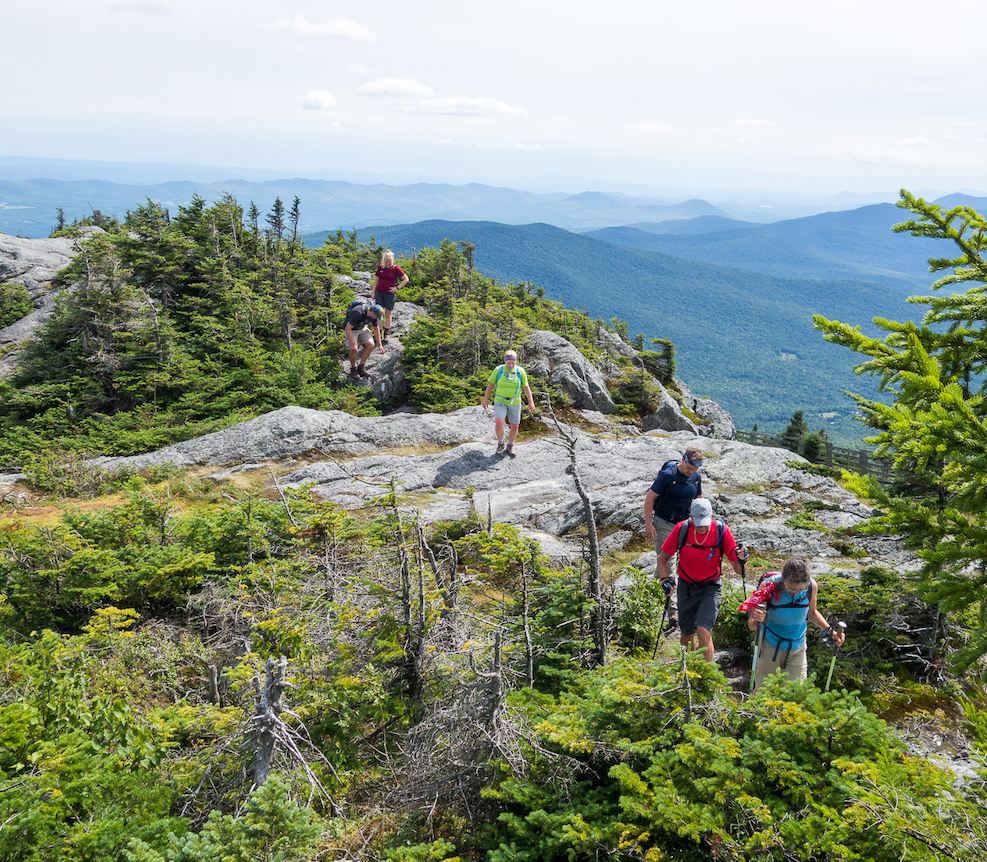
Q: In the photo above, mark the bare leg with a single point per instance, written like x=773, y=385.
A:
x=499, y=428
x=706, y=641
x=513, y=433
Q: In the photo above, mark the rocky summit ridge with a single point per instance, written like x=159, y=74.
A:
x=447, y=462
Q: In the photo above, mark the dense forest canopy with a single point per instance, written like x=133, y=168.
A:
x=203, y=670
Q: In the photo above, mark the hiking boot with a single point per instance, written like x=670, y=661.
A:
x=354, y=375
x=500, y=447
x=510, y=449
x=360, y=370
x=387, y=336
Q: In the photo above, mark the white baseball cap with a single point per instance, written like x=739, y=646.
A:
x=701, y=512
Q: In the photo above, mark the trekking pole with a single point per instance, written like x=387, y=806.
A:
x=743, y=575
x=836, y=649
x=757, y=645
x=661, y=627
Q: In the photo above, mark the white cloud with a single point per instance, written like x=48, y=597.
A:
x=332, y=28
x=472, y=107
x=527, y=146
x=318, y=100
x=157, y=10
x=396, y=87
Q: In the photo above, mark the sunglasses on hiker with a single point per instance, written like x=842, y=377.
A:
x=696, y=462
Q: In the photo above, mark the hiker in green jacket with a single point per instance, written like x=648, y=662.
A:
x=509, y=380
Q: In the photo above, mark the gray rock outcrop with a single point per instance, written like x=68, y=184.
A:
x=294, y=431
x=451, y=467
x=668, y=416
x=555, y=359
x=33, y=263
x=714, y=420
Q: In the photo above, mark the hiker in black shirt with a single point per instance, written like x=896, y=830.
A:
x=668, y=500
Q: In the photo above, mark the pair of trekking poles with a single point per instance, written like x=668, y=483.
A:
x=827, y=639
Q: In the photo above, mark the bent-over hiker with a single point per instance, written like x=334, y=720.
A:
x=360, y=317
x=668, y=500
x=509, y=380
x=784, y=622
x=702, y=545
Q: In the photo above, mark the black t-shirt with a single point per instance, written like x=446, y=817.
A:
x=358, y=316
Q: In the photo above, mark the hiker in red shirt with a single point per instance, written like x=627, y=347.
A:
x=701, y=545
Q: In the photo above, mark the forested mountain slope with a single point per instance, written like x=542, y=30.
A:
x=854, y=244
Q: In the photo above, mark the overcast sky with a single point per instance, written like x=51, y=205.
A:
x=864, y=96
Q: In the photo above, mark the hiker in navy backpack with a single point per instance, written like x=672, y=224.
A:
x=360, y=317
x=784, y=621
x=702, y=544
x=667, y=503
x=507, y=382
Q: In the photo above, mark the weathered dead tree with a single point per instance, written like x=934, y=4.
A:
x=270, y=732
x=267, y=716
x=600, y=611
x=448, y=585
x=686, y=687
x=412, y=617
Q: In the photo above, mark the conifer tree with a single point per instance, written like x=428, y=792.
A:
x=934, y=428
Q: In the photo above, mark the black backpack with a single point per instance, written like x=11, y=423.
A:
x=720, y=533
x=677, y=479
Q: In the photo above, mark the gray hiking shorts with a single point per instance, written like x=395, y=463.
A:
x=512, y=412
x=699, y=605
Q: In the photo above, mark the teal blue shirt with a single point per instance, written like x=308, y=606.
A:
x=786, y=620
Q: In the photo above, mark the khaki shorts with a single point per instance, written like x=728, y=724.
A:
x=365, y=336
x=795, y=668
x=663, y=530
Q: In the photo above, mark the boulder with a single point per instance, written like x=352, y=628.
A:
x=33, y=263
x=668, y=416
x=555, y=358
x=714, y=420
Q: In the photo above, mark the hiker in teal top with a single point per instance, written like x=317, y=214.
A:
x=784, y=621
x=509, y=380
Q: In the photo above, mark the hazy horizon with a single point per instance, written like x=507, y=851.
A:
x=657, y=96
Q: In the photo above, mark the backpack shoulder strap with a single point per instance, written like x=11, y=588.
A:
x=683, y=533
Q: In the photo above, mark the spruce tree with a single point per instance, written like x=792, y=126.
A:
x=934, y=427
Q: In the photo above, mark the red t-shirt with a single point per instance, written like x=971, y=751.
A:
x=699, y=564
x=388, y=278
